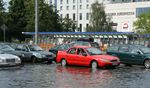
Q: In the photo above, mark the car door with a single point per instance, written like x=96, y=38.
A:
x=124, y=54
x=82, y=57
x=136, y=56
x=71, y=56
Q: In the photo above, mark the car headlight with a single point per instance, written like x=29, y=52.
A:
x=38, y=55
x=106, y=60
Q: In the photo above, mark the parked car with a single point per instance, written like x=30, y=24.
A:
x=61, y=47
x=9, y=60
x=6, y=49
x=131, y=54
x=86, y=56
x=38, y=54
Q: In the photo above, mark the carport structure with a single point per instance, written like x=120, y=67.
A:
x=100, y=37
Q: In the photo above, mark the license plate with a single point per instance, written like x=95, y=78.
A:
x=115, y=63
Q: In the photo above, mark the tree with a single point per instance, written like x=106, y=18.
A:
x=17, y=22
x=142, y=25
x=48, y=17
x=2, y=19
x=99, y=21
x=68, y=25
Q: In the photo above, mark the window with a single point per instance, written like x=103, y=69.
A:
x=61, y=15
x=80, y=6
x=74, y=16
x=80, y=51
x=60, y=7
x=72, y=51
x=80, y=28
x=67, y=2
x=87, y=6
x=87, y=25
x=67, y=8
x=74, y=7
x=140, y=11
x=67, y=15
x=80, y=1
x=113, y=48
x=61, y=1
x=80, y=16
x=74, y=1
x=124, y=49
x=87, y=16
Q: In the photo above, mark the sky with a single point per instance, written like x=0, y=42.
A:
x=6, y=5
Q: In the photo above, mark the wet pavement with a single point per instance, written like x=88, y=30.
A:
x=56, y=76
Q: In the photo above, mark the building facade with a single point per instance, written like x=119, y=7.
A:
x=122, y=12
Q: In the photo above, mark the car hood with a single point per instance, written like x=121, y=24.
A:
x=108, y=57
x=8, y=56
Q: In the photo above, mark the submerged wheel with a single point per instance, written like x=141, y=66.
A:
x=147, y=64
x=94, y=65
x=63, y=62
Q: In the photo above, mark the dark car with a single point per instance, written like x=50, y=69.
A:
x=38, y=54
x=60, y=47
x=25, y=56
x=131, y=54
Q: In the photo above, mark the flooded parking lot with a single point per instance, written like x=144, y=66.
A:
x=56, y=76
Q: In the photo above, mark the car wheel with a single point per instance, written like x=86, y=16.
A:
x=34, y=59
x=94, y=65
x=147, y=64
x=63, y=62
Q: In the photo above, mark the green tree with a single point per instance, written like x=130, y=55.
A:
x=68, y=25
x=1, y=18
x=17, y=22
x=99, y=22
x=142, y=25
x=48, y=17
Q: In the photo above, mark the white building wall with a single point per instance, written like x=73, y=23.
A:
x=124, y=14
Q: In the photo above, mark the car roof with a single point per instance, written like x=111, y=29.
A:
x=81, y=46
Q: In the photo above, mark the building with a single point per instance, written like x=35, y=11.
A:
x=122, y=12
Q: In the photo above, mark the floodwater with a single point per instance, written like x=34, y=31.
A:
x=56, y=76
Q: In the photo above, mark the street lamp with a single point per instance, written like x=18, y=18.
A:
x=36, y=21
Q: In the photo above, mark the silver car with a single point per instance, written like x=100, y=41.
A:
x=9, y=60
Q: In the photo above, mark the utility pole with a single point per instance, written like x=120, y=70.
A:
x=36, y=21
x=77, y=15
x=4, y=27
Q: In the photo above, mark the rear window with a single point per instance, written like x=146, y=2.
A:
x=113, y=48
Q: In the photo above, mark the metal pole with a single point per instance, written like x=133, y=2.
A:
x=36, y=21
x=77, y=15
x=4, y=35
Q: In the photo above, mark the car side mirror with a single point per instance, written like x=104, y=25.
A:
x=138, y=52
x=84, y=54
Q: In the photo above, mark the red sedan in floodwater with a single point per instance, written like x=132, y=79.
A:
x=86, y=56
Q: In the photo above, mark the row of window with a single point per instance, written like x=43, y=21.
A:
x=74, y=1
x=74, y=7
x=143, y=10
x=80, y=16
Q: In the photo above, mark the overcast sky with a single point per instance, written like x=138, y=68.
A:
x=6, y=5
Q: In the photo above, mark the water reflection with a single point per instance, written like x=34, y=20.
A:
x=78, y=77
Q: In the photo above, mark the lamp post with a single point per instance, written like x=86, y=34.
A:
x=36, y=21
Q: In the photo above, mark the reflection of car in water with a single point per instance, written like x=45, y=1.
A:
x=131, y=54
x=86, y=56
x=84, y=77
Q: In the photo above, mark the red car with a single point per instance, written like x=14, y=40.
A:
x=86, y=56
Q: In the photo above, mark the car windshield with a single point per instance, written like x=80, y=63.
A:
x=6, y=48
x=145, y=50
x=35, y=48
x=94, y=51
